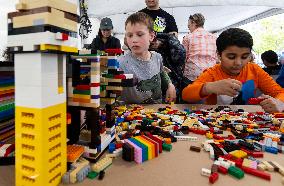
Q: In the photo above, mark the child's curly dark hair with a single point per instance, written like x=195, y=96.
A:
x=234, y=37
x=270, y=57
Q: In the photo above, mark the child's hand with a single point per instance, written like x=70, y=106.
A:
x=271, y=105
x=171, y=93
x=229, y=87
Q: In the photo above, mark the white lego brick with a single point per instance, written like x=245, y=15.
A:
x=97, y=101
x=95, y=90
x=186, y=138
x=205, y=172
x=217, y=163
x=29, y=41
x=269, y=167
x=129, y=76
x=106, y=142
x=95, y=78
x=38, y=97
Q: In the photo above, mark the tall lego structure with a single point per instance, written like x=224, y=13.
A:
x=40, y=33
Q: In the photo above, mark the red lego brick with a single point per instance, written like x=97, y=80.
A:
x=65, y=36
x=257, y=173
x=222, y=170
x=213, y=177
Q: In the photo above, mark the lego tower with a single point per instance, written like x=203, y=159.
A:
x=40, y=33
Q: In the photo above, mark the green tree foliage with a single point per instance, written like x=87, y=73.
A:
x=268, y=34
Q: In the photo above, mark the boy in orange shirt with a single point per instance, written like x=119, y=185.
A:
x=224, y=81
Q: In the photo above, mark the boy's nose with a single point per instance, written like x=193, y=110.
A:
x=238, y=61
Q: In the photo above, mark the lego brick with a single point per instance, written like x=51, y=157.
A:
x=149, y=146
x=137, y=152
x=153, y=142
x=195, y=148
x=41, y=82
x=60, y=5
x=102, y=164
x=142, y=146
x=257, y=173
x=213, y=177
x=55, y=18
x=127, y=152
x=74, y=152
x=44, y=47
x=67, y=15
x=205, y=172
x=236, y=172
x=41, y=149
x=32, y=42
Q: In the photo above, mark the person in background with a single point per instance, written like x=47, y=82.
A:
x=146, y=66
x=270, y=60
x=225, y=79
x=173, y=54
x=163, y=21
x=200, y=46
x=104, y=40
x=280, y=79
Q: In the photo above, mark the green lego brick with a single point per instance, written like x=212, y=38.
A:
x=92, y=175
x=236, y=172
x=167, y=147
x=84, y=92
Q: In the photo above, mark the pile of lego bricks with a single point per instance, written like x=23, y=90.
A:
x=7, y=99
x=253, y=133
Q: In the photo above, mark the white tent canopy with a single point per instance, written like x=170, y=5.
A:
x=219, y=14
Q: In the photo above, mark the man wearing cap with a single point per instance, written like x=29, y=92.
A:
x=104, y=40
x=200, y=46
x=163, y=21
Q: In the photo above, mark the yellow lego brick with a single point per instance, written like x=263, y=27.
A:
x=8, y=88
x=58, y=48
x=55, y=17
x=58, y=4
x=79, y=165
x=60, y=90
x=81, y=100
x=239, y=154
x=151, y=147
x=74, y=102
x=114, y=88
x=82, y=96
x=102, y=164
x=41, y=145
x=108, y=100
x=21, y=6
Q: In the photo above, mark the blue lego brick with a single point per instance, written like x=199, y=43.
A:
x=113, y=63
x=111, y=147
x=271, y=150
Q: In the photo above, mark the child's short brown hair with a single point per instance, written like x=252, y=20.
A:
x=140, y=17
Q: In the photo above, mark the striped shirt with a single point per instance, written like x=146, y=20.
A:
x=201, y=53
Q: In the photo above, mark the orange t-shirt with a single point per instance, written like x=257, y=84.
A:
x=251, y=71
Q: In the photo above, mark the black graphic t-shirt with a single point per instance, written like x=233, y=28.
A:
x=163, y=21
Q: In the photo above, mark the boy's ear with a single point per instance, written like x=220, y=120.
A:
x=219, y=57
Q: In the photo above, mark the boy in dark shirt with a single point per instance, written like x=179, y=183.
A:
x=270, y=60
x=163, y=21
